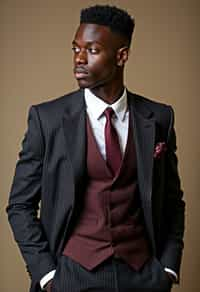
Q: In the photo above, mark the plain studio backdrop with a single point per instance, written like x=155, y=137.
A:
x=36, y=65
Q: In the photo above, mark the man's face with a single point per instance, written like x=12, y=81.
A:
x=95, y=56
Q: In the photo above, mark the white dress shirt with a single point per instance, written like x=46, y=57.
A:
x=95, y=108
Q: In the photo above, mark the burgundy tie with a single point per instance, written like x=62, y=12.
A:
x=113, y=152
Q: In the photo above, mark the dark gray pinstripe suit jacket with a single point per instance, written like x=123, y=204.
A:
x=51, y=170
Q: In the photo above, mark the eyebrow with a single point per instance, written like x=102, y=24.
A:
x=88, y=43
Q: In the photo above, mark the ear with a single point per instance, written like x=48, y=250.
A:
x=122, y=56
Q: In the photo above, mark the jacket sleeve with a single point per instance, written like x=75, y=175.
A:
x=174, y=205
x=24, y=201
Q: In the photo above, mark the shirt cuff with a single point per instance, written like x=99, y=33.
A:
x=47, y=278
x=172, y=273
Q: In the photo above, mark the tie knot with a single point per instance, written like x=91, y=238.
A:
x=109, y=112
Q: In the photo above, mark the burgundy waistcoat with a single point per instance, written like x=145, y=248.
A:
x=111, y=221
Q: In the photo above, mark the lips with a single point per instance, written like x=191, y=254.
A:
x=80, y=72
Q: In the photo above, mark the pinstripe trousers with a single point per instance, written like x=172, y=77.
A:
x=113, y=275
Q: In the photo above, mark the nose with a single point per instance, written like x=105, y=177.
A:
x=81, y=57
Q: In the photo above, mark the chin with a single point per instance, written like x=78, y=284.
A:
x=83, y=84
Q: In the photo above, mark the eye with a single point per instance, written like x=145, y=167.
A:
x=75, y=49
x=93, y=51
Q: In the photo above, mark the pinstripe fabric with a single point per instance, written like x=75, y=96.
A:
x=113, y=275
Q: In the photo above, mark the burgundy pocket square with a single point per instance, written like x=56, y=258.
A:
x=160, y=148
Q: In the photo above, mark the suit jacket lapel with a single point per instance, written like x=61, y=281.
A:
x=74, y=126
x=144, y=136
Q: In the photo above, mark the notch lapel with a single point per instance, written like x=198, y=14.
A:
x=74, y=127
x=144, y=137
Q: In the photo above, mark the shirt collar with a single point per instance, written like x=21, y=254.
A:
x=97, y=106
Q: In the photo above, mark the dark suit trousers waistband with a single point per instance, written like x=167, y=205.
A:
x=113, y=275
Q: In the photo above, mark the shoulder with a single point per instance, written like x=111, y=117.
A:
x=163, y=113
x=49, y=114
x=58, y=105
x=52, y=111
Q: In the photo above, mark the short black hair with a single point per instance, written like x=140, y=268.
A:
x=118, y=20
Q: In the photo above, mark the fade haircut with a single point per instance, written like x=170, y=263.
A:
x=118, y=20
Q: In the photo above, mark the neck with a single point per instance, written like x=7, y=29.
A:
x=108, y=93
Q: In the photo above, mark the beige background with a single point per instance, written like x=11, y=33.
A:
x=36, y=66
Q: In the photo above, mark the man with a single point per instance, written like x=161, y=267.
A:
x=101, y=161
